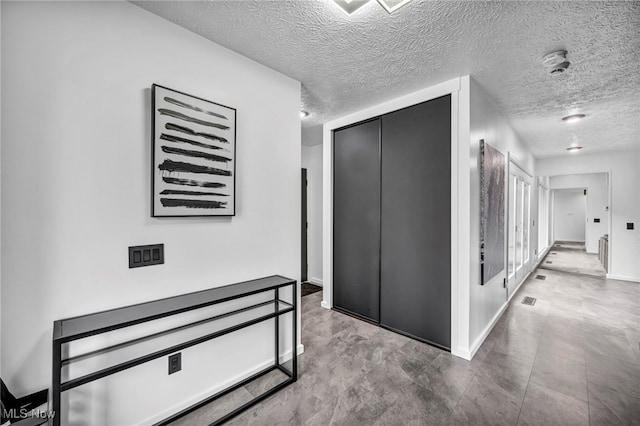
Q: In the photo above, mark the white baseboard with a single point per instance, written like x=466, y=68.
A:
x=485, y=333
x=461, y=353
x=287, y=355
x=623, y=278
x=512, y=294
x=541, y=257
x=316, y=281
x=202, y=395
x=325, y=305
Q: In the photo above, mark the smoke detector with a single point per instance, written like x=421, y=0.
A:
x=556, y=62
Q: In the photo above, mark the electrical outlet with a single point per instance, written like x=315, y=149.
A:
x=175, y=363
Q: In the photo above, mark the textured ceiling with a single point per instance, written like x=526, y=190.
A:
x=346, y=63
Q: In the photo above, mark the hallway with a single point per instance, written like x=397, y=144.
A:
x=578, y=346
x=570, y=359
x=572, y=257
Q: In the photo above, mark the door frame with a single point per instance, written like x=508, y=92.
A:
x=304, y=229
x=609, y=208
x=586, y=204
x=543, y=216
x=459, y=89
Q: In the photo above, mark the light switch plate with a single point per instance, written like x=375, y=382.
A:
x=146, y=255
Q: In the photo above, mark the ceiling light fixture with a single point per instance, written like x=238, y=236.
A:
x=574, y=149
x=573, y=118
x=303, y=113
x=350, y=6
x=392, y=5
x=556, y=62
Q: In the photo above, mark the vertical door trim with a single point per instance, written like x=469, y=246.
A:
x=304, y=227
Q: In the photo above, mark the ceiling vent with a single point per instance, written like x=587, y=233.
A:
x=556, y=62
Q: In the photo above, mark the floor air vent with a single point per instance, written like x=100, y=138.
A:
x=541, y=277
x=529, y=301
x=548, y=261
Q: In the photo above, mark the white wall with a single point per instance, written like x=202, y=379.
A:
x=624, y=249
x=569, y=215
x=312, y=135
x=597, y=188
x=76, y=81
x=486, y=122
x=312, y=161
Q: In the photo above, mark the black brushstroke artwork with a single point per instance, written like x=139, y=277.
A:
x=172, y=138
x=171, y=126
x=191, y=182
x=192, y=107
x=180, y=192
x=195, y=154
x=181, y=116
x=492, y=211
x=178, y=166
x=192, y=204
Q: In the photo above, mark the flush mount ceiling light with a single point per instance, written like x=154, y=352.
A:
x=303, y=113
x=350, y=6
x=393, y=5
x=573, y=118
x=574, y=149
x=556, y=62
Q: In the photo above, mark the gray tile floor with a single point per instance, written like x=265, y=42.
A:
x=572, y=358
x=573, y=259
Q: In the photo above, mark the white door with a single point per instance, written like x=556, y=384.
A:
x=519, y=259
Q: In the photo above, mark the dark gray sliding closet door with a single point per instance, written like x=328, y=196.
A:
x=356, y=219
x=416, y=221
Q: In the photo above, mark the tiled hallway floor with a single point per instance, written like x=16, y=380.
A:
x=572, y=257
x=571, y=359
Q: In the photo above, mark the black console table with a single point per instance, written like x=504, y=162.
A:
x=72, y=329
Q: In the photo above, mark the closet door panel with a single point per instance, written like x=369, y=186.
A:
x=356, y=220
x=416, y=221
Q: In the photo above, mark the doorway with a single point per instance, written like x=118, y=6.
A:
x=570, y=215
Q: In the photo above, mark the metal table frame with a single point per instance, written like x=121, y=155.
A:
x=70, y=329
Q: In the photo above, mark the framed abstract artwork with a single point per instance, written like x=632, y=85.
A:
x=193, y=156
x=492, y=212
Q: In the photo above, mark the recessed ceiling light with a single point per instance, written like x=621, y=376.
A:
x=350, y=6
x=573, y=118
x=303, y=113
x=574, y=148
x=393, y=5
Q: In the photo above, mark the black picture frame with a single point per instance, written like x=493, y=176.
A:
x=193, y=156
